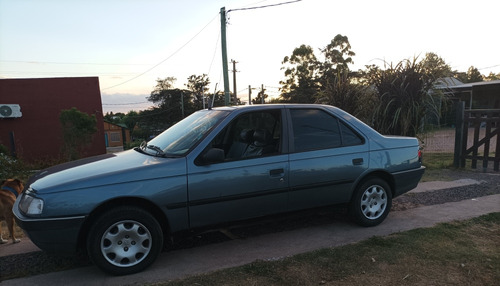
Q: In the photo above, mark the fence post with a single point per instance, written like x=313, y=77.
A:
x=459, y=129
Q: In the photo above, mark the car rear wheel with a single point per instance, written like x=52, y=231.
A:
x=125, y=240
x=371, y=202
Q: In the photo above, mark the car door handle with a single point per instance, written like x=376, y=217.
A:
x=276, y=172
x=357, y=161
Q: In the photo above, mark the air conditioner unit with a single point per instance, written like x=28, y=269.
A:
x=10, y=111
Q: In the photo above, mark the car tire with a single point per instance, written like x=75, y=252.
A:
x=372, y=202
x=124, y=240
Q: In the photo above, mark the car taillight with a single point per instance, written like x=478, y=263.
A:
x=420, y=156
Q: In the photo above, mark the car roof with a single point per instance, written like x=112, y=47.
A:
x=278, y=105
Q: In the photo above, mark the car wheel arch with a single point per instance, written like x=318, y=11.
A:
x=123, y=201
x=381, y=174
x=371, y=199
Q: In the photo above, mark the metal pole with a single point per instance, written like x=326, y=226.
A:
x=459, y=136
x=224, y=55
x=262, y=88
x=249, y=95
x=235, y=95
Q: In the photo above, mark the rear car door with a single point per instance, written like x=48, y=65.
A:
x=326, y=157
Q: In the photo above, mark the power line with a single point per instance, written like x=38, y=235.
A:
x=161, y=62
x=131, y=103
x=112, y=74
x=265, y=6
x=489, y=67
x=215, y=52
x=70, y=63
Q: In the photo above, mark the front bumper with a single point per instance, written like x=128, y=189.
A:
x=407, y=180
x=50, y=234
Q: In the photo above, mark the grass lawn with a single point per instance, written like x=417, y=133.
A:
x=458, y=253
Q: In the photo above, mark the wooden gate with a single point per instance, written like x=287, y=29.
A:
x=477, y=137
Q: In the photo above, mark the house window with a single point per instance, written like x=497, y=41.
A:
x=115, y=136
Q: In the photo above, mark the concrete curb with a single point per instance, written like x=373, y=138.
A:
x=440, y=185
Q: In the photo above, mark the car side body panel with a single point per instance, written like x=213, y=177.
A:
x=190, y=194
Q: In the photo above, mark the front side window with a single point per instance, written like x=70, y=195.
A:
x=250, y=135
x=314, y=129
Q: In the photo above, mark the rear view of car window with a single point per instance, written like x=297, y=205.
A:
x=349, y=137
x=314, y=129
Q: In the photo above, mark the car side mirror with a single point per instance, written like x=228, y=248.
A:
x=214, y=155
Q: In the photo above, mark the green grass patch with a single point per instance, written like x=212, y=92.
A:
x=437, y=161
x=458, y=253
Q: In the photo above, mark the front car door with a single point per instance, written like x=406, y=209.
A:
x=251, y=181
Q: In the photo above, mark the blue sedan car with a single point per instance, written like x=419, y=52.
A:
x=216, y=166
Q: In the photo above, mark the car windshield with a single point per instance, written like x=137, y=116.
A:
x=184, y=135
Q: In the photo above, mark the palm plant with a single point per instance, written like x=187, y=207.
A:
x=404, y=97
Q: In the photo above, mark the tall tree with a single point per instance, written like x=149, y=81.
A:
x=338, y=85
x=198, y=85
x=130, y=119
x=349, y=95
x=158, y=95
x=338, y=56
x=435, y=66
x=492, y=76
x=301, y=71
x=473, y=75
x=261, y=97
x=172, y=104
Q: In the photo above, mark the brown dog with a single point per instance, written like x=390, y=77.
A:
x=9, y=190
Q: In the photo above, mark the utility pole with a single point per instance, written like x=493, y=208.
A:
x=262, y=88
x=182, y=103
x=235, y=96
x=224, y=54
x=249, y=95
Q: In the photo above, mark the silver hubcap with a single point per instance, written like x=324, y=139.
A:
x=126, y=243
x=373, y=202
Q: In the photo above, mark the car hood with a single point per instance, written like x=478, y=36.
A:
x=106, y=169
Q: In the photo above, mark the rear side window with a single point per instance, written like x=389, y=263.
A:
x=314, y=129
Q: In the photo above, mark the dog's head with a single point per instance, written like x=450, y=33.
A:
x=14, y=186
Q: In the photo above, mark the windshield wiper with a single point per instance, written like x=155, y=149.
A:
x=159, y=152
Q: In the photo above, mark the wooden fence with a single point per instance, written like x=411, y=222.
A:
x=485, y=144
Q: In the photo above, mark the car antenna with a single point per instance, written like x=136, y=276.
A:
x=210, y=104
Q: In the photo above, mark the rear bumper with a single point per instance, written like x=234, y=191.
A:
x=51, y=234
x=407, y=180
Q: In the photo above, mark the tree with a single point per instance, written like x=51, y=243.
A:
x=338, y=56
x=350, y=96
x=198, y=85
x=130, y=119
x=77, y=130
x=492, y=76
x=309, y=80
x=338, y=85
x=473, y=75
x=300, y=85
x=434, y=66
x=261, y=97
x=157, y=96
x=172, y=105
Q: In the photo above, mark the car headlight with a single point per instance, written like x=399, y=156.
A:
x=31, y=205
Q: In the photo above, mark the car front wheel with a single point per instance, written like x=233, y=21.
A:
x=125, y=240
x=371, y=202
